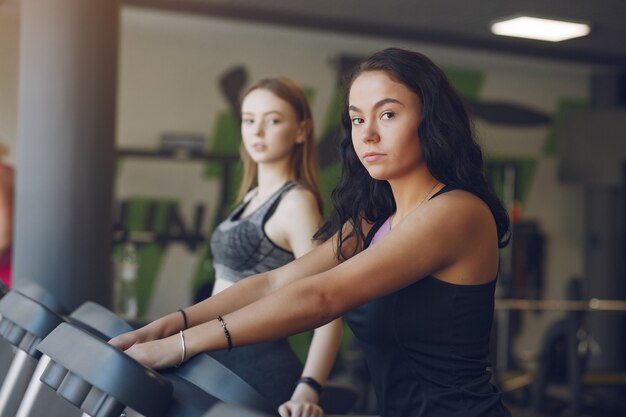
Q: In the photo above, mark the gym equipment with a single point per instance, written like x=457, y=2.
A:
x=34, y=310
x=6, y=350
x=98, y=378
x=28, y=315
x=564, y=333
x=564, y=351
x=191, y=384
x=102, y=381
x=235, y=410
x=39, y=399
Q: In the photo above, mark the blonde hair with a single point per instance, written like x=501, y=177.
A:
x=303, y=158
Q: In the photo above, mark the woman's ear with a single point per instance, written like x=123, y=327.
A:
x=304, y=129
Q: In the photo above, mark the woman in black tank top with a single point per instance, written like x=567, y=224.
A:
x=410, y=253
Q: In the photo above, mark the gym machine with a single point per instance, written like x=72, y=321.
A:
x=103, y=381
x=28, y=316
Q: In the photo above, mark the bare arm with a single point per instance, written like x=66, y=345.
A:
x=452, y=237
x=321, y=357
x=298, y=231
x=233, y=298
x=6, y=208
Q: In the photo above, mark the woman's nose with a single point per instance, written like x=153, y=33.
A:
x=258, y=129
x=370, y=134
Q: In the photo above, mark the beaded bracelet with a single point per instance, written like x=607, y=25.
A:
x=226, y=332
x=311, y=382
x=184, y=318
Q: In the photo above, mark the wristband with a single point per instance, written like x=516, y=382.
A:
x=317, y=387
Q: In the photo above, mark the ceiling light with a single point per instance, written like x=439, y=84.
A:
x=539, y=28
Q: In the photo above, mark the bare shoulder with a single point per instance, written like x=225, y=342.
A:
x=297, y=200
x=454, y=222
x=457, y=239
x=463, y=228
x=295, y=221
x=458, y=207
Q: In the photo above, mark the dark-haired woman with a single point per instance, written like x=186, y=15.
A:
x=410, y=257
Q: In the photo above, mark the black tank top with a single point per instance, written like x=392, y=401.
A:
x=426, y=346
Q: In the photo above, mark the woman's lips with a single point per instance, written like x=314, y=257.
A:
x=373, y=156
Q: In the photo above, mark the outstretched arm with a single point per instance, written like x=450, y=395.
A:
x=297, y=234
x=453, y=237
x=322, y=353
x=325, y=343
x=233, y=298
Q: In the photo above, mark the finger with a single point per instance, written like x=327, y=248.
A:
x=296, y=409
x=312, y=410
x=135, y=351
x=284, y=410
x=319, y=412
x=117, y=342
x=141, y=353
x=123, y=341
x=302, y=410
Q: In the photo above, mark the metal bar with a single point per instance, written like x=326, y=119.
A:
x=593, y=304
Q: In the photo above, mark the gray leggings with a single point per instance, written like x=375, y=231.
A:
x=272, y=368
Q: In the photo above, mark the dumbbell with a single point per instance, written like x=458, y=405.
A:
x=102, y=381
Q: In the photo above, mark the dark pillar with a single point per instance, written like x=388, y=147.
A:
x=66, y=147
x=603, y=254
x=604, y=249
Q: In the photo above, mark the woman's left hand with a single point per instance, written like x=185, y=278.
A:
x=158, y=354
x=293, y=408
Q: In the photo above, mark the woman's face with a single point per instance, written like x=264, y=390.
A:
x=269, y=127
x=385, y=115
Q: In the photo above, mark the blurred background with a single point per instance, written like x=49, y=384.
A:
x=150, y=172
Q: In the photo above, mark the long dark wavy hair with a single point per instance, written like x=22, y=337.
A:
x=450, y=150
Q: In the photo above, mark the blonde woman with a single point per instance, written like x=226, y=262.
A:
x=274, y=224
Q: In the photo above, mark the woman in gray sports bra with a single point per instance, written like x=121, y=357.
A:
x=272, y=226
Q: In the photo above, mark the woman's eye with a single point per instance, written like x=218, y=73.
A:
x=387, y=115
x=273, y=121
x=247, y=121
x=357, y=121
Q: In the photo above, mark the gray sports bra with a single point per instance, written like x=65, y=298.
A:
x=241, y=248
